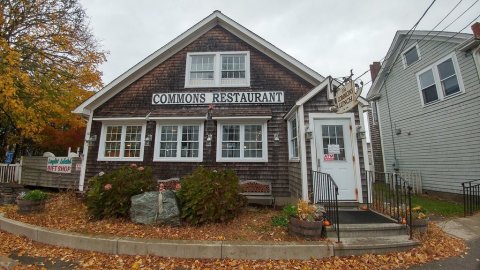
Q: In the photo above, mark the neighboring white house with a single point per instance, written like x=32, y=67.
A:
x=426, y=104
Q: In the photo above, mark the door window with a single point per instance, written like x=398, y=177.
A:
x=333, y=142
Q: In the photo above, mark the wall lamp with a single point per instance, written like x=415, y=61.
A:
x=148, y=140
x=209, y=140
x=361, y=132
x=91, y=140
x=276, y=138
x=308, y=132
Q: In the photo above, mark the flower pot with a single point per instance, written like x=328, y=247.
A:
x=27, y=207
x=420, y=225
x=307, y=229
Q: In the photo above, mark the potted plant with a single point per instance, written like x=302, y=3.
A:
x=32, y=201
x=308, y=221
x=419, y=219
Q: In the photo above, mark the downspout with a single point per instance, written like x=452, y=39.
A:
x=85, y=153
x=303, y=153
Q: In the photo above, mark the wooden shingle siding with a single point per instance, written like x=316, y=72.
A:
x=444, y=141
x=34, y=173
x=169, y=76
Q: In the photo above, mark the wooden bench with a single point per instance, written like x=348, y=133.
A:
x=169, y=184
x=257, y=192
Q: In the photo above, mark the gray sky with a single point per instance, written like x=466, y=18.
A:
x=330, y=37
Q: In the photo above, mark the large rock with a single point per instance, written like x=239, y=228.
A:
x=144, y=207
x=169, y=213
x=155, y=208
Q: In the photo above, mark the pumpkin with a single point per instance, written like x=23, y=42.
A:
x=326, y=223
x=404, y=221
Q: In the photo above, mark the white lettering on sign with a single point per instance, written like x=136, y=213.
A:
x=59, y=164
x=346, y=97
x=219, y=97
x=334, y=149
x=328, y=157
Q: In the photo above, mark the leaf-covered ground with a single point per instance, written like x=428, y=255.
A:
x=65, y=212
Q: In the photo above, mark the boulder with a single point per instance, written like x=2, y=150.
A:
x=144, y=207
x=155, y=208
x=168, y=214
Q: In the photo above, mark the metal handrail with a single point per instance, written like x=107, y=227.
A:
x=471, y=197
x=325, y=191
x=390, y=195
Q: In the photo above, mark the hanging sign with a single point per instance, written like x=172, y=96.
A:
x=59, y=164
x=218, y=97
x=346, y=97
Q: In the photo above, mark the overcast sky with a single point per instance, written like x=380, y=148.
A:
x=331, y=37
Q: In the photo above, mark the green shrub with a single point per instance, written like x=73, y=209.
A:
x=210, y=196
x=35, y=195
x=109, y=194
x=288, y=211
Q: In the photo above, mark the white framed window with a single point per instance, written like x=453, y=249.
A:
x=440, y=80
x=121, y=141
x=410, y=55
x=218, y=69
x=178, y=142
x=293, y=138
x=374, y=112
x=242, y=142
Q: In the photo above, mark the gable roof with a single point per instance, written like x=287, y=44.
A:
x=397, y=44
x=156, y=58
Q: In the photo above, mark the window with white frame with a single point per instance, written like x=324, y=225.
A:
x=242, y=142
x=440, y=80
x=122, y=142
x=218, y=69
x=178, y=142
x=410, y=55
x=293, y=138
x=375, y=112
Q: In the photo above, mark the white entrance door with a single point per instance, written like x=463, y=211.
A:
x=334, y=154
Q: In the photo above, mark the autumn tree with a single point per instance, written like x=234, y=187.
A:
x=49, y=62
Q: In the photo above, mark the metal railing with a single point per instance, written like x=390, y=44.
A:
x=471, y=197
x=9, y=173
x=325, y=192
x=391, y=195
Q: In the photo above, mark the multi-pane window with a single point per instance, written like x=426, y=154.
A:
x=333, y=141
x=179, y=142
x=218, y=69
x=121, y=142
x=201, y=70
x=410, y=56
x=439, y=81
x=293, y=138
x=242, y=142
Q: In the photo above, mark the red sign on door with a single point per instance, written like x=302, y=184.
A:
x=328, y=157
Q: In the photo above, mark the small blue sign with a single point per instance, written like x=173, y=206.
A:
x=9, y=157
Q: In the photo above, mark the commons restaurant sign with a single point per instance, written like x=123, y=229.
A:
x=218, y=97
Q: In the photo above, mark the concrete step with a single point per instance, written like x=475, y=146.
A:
x=368, y=230
x=373, y=245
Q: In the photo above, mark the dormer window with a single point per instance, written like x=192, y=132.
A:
x=218, y=69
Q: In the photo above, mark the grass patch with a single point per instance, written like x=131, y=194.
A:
x=437, y=207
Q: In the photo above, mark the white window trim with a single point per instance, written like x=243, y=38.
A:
x=156, y=150
x=217, y=70
x=374, y=112
x=101, y=148
x=404, y=60
x=264, y=157
x=290, y=148
x=436, y=78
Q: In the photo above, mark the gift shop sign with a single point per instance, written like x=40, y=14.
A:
x=59, y=164
x=218, y=98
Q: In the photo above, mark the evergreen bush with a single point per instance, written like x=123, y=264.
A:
x=210, y=196
x=109, y=193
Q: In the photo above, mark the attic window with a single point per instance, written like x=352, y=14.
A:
x=218, y=69
x=410, y=55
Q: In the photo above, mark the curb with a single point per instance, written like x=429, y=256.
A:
x=194, y=249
